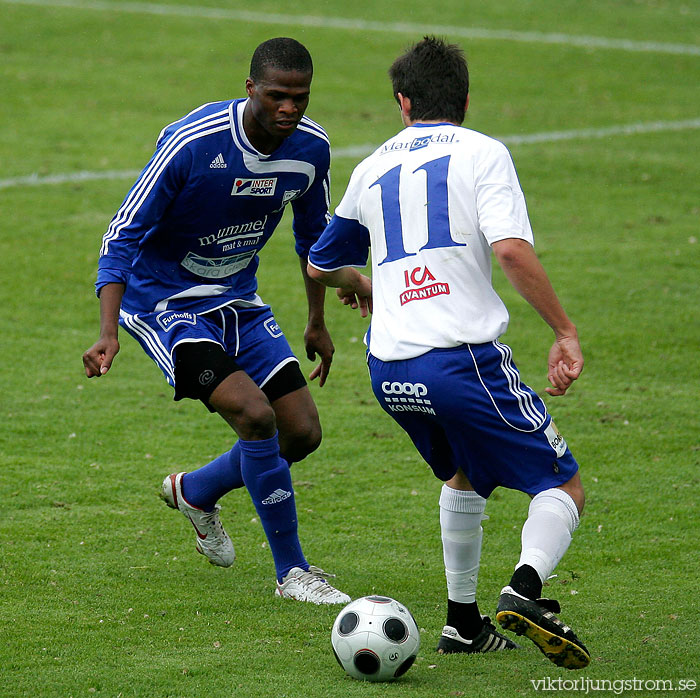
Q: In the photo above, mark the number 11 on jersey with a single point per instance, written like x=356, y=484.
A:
x=436, y=202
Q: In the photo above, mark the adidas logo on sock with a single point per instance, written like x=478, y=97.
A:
x=277, y=496
x=218, y=163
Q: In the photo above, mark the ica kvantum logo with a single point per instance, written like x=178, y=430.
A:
x=415, y=288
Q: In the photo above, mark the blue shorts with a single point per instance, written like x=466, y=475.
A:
x=249, y=335
x=466, y=407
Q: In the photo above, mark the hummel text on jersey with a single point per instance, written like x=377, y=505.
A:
x=231, y=231
x=279, y=495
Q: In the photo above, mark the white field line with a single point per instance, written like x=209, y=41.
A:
x=417, y=30
x=361, y=151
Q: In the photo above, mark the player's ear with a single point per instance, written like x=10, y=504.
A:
x=466, y=104
x=249, y=86
x=405, y=106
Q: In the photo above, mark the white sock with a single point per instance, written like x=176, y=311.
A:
x=546, y=535
x=460, y=522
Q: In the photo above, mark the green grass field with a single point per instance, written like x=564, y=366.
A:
x=101, y=591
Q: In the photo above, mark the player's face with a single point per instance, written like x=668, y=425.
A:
x=276, y=104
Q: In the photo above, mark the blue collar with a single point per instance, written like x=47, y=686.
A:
x=421, y=125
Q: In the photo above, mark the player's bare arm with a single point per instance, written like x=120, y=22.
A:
x=97, y=360
x=527, y=275
x=317, y=339
x=353, y=288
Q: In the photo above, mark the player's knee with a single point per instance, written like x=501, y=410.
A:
x=252, y=419
x=299, y=442
x=574, y=488
x=558, y=502
x=256, y=420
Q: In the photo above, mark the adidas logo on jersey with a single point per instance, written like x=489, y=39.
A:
x=277, y=496
x=218, y=163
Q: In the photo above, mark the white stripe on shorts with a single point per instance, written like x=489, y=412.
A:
x=527, y=407
x=151, y=340
x=515, y=389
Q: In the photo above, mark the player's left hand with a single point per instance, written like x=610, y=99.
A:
x=564, y=365
x=318, y=340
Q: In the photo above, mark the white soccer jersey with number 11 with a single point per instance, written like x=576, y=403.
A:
x=429, y=202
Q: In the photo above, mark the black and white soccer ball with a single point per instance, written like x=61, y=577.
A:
x=375, y=638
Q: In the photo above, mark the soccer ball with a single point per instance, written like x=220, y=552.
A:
x=375, y=638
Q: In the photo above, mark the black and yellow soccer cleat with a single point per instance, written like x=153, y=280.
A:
x=536, y=620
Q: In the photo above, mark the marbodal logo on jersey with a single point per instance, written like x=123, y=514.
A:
x=254, y=187
x=419, y=143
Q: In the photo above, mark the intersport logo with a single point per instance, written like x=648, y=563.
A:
x=254, y=187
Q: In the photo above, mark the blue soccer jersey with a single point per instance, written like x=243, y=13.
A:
x=188, y=233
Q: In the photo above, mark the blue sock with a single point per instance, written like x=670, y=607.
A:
x=269, y=483
x=205, y=486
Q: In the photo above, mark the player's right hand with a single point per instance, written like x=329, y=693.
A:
x=97, y=360
x=355, y=301
x=358, y=295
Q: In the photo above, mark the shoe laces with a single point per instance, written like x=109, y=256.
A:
x=211, y=518
x=315, y=578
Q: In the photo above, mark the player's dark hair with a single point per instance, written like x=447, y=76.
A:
x=281, y=53
x=434, y=76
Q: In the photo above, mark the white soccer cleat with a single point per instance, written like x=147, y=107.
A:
x=212, y=541
x=310, y=585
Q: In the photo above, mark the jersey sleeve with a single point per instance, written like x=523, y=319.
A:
x=500, y=202
x=344, y=243
x=311, y=210
x=144, y=205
